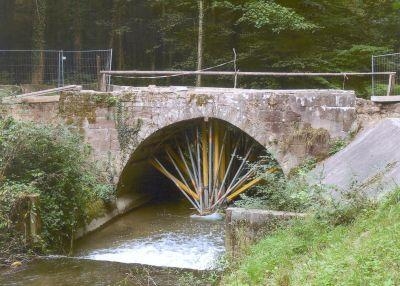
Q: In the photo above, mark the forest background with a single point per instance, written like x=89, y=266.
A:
x=282, y=35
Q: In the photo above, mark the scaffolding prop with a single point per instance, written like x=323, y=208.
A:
x=209, y=164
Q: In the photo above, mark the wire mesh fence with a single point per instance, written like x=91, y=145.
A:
x=385, y=63
x=24, y=71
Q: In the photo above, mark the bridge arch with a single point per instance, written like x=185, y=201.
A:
x=144, y=176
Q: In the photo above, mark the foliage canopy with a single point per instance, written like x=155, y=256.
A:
x=269, y=35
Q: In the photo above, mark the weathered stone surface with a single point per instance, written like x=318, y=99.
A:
x=256, y=217
x=246, y=226
x=370, y=113
x=269, y=116
x=370, y=164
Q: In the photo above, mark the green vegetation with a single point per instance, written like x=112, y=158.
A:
x=53, y=163
x=279, y=192
x=8, y=90
x=336, y=146
x=356, y=243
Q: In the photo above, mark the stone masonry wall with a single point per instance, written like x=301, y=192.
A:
x=291, y=124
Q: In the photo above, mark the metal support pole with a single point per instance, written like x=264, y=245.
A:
x=59, y=69
x=62, y=67
x=373, y=76
x=110, y=68
x=209, y=184
x=98, y=69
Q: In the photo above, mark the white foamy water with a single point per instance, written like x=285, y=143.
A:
x=199, y=252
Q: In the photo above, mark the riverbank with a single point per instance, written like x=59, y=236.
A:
x=49, y=188
x=12, y=254
x=360, y=249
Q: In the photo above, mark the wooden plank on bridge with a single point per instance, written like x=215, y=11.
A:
x=52, y=90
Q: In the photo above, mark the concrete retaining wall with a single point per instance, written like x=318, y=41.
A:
x=246, y=226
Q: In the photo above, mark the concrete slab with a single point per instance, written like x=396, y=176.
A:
x=370, y=163
x=31, y=99
x=256, y=216
x=246, y=226
x=383, y=99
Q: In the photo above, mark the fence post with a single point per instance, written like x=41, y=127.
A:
x=373, y=75
x=110, y=68
x=390, y=84
x=59, y=70
x=62, y=67
x=103, y=82
x=98, y=69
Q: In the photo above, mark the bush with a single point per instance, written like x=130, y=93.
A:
x=297, y=194
x=54, y=162
x=336, y=146
x=281, y=193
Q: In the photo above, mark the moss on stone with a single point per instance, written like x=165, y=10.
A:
x=128, y=96
x=96, y=209
x=128, y=130
x=316, y=142
x=200, y=99
x=84, y=105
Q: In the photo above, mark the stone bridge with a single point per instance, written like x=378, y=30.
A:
x=123, y=127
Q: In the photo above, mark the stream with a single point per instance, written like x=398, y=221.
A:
x=152, y=245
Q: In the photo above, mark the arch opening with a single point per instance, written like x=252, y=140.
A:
x=208, y=161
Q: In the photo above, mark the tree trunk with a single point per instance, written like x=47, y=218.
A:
x=77, y=33
x=38, y=40
x=200, y=41
x=116, y=39
x=120, y=52
x=6, y=21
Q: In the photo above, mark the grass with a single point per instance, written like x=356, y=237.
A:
x=365, y=251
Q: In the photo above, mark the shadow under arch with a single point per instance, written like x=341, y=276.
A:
x=143, y=181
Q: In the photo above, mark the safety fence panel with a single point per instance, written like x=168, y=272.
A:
x=24, y=71
x=385, y=63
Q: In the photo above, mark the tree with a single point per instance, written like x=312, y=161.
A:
x=200, y=41
x=77, y=31
x=118, y=29
x=38, y=39
x=269, y=35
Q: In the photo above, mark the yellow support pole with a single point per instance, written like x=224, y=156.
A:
x=178, y=183
x=216, y=151
x=227, y=148
x=250, y=184
x=244, y=188
x=204, y=144
x=177, y=159
x=187, y=168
